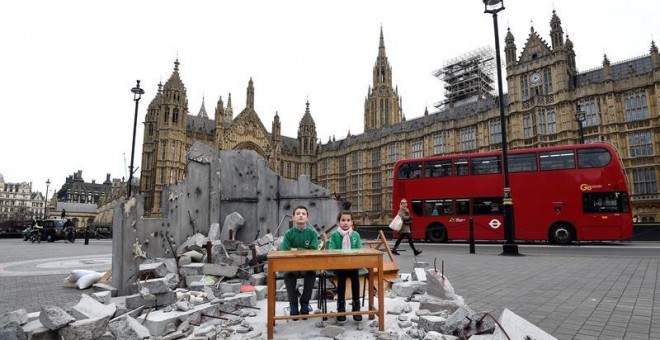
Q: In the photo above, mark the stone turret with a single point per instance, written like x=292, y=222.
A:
x=556, y=32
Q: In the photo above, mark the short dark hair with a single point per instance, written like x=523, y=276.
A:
x=344, y=213
x=301, y=207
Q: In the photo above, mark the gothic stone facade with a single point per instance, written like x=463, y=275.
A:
x=620, y=103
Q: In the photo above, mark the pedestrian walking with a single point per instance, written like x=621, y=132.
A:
x=406, y=228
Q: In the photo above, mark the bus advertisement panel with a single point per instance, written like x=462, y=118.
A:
x=560, y=194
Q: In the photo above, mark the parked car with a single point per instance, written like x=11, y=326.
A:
x=26, y=233
x=58, y=229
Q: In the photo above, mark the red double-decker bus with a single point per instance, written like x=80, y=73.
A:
x=560, y=194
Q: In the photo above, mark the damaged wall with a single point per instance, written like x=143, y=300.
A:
x=217, y=183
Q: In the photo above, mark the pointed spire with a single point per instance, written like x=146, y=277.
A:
x=653, y=49
x=176, y=64
x=250, y=95
x=426, y=111
x=606, y=61
x=202, y=110
x=556, y=32
x=229, y=112
x=555, y=19
x=569, y=43
x=160, y=86
x=509, y=36
x=381, y=45
x=307, y=119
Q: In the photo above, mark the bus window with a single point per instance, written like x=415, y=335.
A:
x=486, y=165
x=523, y=162
x=557, y=160
x=487, y=205
x=461, y=167
x=418, y=207
x=410, y=170
x=605, y=202
x=440, y=168
x=439, y=207
x=593, y=158
x=462, y=206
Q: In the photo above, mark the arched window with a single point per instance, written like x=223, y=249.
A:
x=175, y=116
x=166, y=117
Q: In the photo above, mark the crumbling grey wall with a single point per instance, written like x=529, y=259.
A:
x=217, y=183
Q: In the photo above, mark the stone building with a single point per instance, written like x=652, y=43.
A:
x=18, y=202
x=619, y=103
x=79, y=200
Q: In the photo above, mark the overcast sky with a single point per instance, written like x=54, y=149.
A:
x=68, y=66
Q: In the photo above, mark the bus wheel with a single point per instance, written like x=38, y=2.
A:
x=561, y=233
x=436, y=233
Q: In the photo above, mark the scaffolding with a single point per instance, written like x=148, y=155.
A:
x=467, y=77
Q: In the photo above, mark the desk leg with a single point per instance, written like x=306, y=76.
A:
x=271, y=300
x=381, y=297
x=371, y=293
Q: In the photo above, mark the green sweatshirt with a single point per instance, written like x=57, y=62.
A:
x=335, y=240
x=305, y=238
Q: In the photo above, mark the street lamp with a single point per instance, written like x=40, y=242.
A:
x=46, y=199
x=137, y=95
x=580, y=117
x=510, y=247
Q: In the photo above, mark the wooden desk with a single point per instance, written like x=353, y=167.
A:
x=302, y=260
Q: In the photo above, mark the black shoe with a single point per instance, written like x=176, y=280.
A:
x=304, y=309
x=356, y=308
x=341, y=308
x=395, y=252
x=293, y=310
x=417, y=252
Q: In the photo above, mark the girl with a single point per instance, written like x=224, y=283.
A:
x=405, y=229
x=346, y=238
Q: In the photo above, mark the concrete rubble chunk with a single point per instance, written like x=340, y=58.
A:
x=194, y=255
x=220, y=270
x=153, y=270
x=439, y=286
x=54, y=318
x=157, y=321
x=102, y=297
x=192, y=269
x=34, y=330
x=89, y=308
x=92, y=328
x=266, y=239
x=20, y=316
x=214, y=231
x=11, y=330
x=419, y=274
x=408, y=288
x=138, y=300
x=439, y=336
x=155, y=286
x=518, y=328
x=102, y=287
x=455, y=322
x=233, y=222
x=128, y=328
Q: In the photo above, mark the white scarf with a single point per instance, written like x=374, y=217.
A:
x=346, y=238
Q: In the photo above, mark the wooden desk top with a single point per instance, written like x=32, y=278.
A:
x=328, y=252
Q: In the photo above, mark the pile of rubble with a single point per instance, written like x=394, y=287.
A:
x=215, y=288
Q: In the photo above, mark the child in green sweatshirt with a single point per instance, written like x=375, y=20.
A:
x=346, y=238
x=300, y=237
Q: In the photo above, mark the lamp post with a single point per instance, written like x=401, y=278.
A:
x=510, y=247
x=580, y=118
x=137, y=95
x=46, y=199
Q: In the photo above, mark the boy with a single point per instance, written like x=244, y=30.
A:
x=300, y=237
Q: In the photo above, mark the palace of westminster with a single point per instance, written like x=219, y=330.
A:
x=618, y=103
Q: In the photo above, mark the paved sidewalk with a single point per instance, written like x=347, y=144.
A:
x=570, y=297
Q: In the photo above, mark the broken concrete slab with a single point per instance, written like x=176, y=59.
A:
x=102, y=297
x=439, y=286
x=214, y=231
x=454, y=322
x=92, y=328
x=233, y=222
x=258, y=279
x=408, y=288
x=153, y=270
x=89, y=308
x=101, y=287
x=34, y=330
x=192, y=269
x=518, y=328
x=219, y=270
x=435, y=304
x=155, y=286
x=157, y=321
x=54, y=318
x=128, y=328
x=419, y=274
x=11, y=330
x=138, y=300
x=20, y=316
